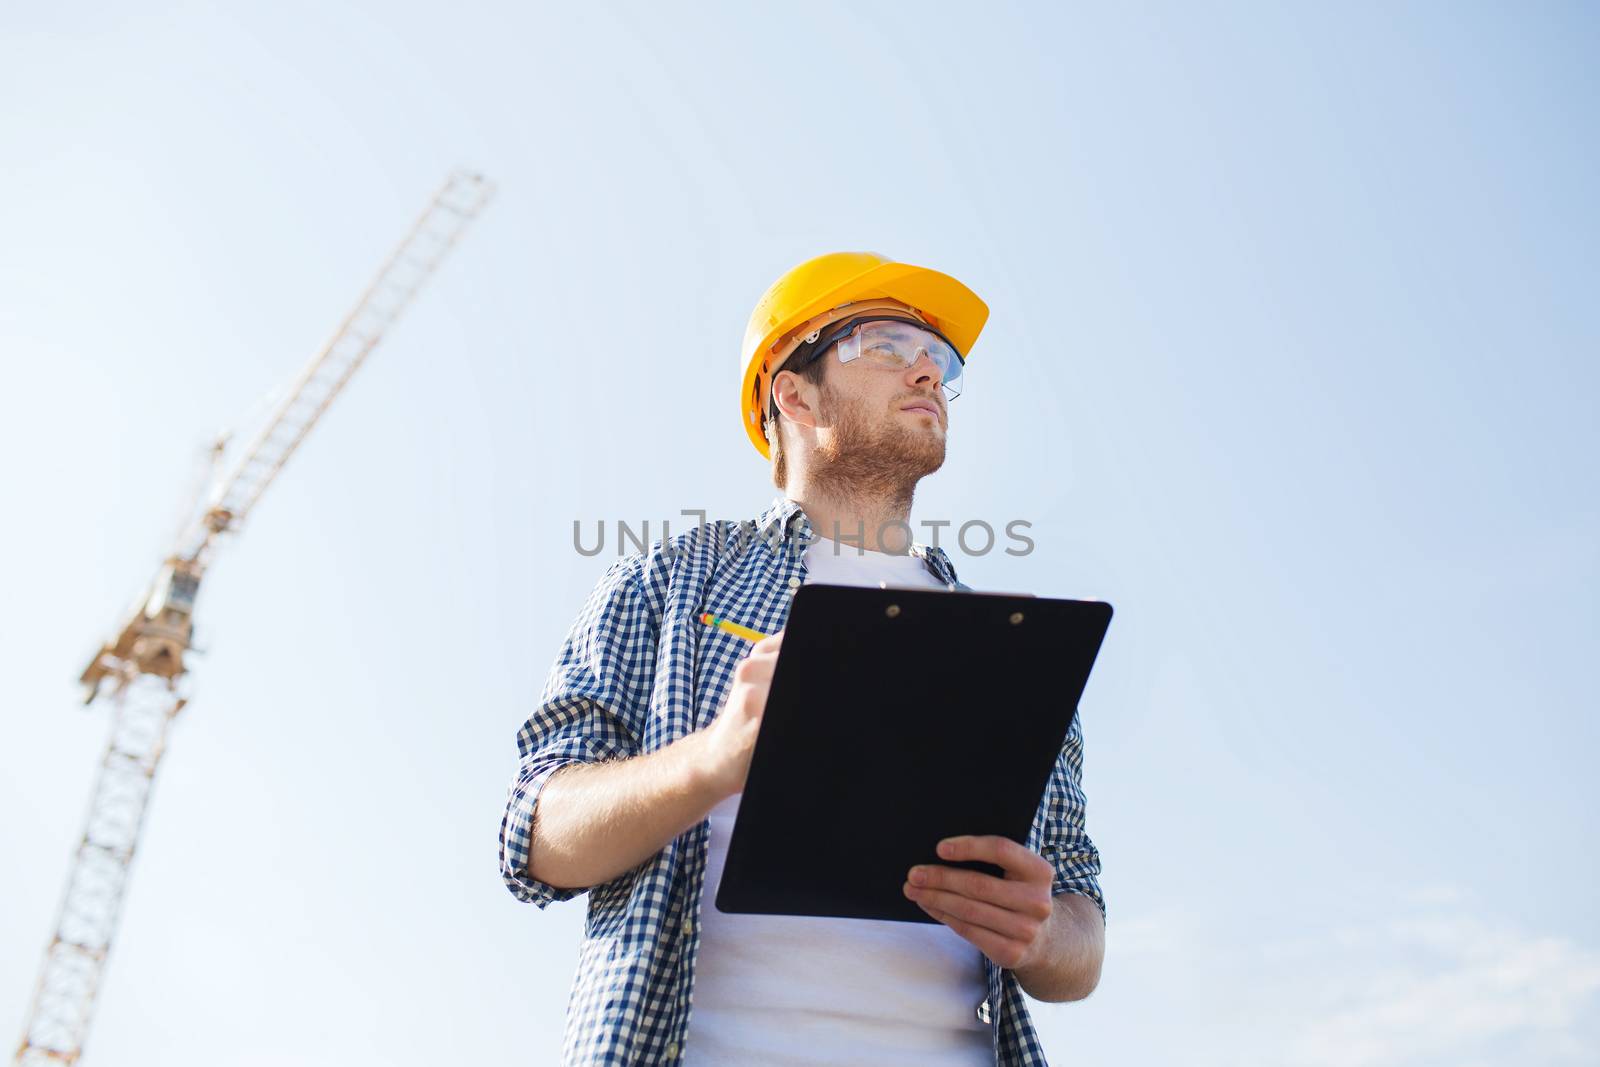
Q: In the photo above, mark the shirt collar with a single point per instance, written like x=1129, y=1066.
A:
x=785, y=521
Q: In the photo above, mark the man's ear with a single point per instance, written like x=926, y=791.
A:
x=796, y=398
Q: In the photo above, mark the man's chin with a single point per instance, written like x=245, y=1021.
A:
x=928, y=458
x=914, y=454
x=922, y=448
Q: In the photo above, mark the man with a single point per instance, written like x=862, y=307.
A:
x=633, y=763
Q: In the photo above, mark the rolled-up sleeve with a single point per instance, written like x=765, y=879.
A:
x=591, y=710
x=1061, y=824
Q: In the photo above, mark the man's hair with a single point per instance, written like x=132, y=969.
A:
x=812, y=372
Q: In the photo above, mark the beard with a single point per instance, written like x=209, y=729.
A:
x=868, y=456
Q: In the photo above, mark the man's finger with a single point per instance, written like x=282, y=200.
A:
x=1003, y=950
x=1016, y=860
x=1010, y=924
x=755, y=669
x=1012, y=894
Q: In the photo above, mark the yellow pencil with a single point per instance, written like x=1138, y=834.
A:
x=731, y=627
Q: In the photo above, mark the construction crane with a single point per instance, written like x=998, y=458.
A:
x=140, y=672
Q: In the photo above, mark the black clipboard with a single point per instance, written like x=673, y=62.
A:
x=896, y=718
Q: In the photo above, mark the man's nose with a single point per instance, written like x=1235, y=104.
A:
x=924, y=369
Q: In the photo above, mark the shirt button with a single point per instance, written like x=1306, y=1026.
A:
x=671, y=1050
x=794, y=583
x=984, y=1015
x=688, y=925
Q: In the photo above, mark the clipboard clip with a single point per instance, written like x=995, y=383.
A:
x=883, y=583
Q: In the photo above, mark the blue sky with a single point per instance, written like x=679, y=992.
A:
x=1290, y=357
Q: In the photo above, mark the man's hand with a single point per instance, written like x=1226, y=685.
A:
x=1006, y=918
x=731, y=738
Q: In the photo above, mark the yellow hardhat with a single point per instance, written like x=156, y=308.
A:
x=812, y=294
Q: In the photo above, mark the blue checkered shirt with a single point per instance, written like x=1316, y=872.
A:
x=638, y=671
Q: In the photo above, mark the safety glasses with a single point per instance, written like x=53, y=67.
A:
x=893, y=343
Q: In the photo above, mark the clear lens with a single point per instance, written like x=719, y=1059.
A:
x=899, y=345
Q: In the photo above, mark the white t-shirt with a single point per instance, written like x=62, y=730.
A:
x=796, y=989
